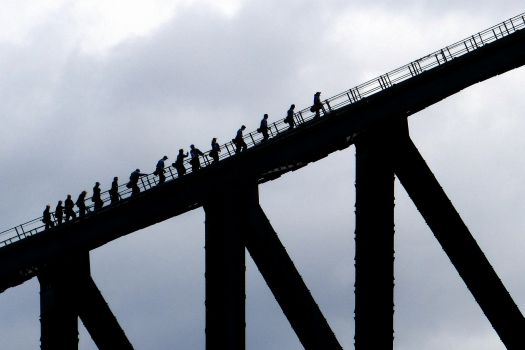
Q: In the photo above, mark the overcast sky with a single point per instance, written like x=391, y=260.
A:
x=94, y=89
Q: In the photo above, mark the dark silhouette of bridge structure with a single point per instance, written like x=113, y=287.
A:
x=371, y=116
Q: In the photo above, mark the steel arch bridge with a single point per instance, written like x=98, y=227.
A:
x=371, y=116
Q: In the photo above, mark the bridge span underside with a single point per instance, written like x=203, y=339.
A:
x=378, y=126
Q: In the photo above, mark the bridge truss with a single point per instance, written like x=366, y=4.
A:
x=371, y=116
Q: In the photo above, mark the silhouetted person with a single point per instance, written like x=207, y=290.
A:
x=113, y=192
x=318, y=105
x=215, y=149
x=81, y=203
x=159, y=170
x=179, y=163
x=134, y=181
x=59, y=212
x=289, y=117
x=46, y=219
x=195, y=161
x=97, y=197
x=68, y=208
x=240, y=145
x=263, y=128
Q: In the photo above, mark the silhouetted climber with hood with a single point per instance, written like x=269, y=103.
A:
x=97, y=198
x=59, y=212
x=195, y=161
x=239, y=141
x=113, y=192
x=179, y=163
x=46, y=217
x=69, y=205
x=159, y=170
x=81, y=204
x=318, y=105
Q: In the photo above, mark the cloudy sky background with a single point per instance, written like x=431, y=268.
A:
x=92, y=90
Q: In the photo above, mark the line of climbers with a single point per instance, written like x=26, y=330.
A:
x=67, y=208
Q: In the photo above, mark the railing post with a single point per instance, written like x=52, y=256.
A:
x=171, y=172
x=506, y=28
x=276, y=129
x=227, y=149
x=328, y=104
x=18, y=234
x=481, y=39
x=450, y=54
x=301, y=118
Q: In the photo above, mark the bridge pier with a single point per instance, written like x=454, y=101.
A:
x=68, y=292
x=58, y=315
x=226, y=220
x=374, y=241
x=235, y=220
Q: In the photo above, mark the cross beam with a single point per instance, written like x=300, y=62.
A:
x=459, y=245
x=286, y=284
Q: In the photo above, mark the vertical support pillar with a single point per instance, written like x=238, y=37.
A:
x=225, y=265
x=58, y=313
x=68, y=292
x=58, y=319
x=374, y=240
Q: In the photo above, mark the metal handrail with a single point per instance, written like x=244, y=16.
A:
x=303, y=116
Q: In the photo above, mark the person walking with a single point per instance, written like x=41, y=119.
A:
x=318, y=105
x=195, y=162
x=113, y=192
x=68, y=206
x=59, y=212
x=215, y=150
x=179, y=163
x=159, y=170
x=263, y=128
x=97, y=197
x=134, y=181
x=240, y=145
x=81, y=204
x=46, y=218
x=289, y=117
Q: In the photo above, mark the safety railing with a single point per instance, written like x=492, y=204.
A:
x=302, y=117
